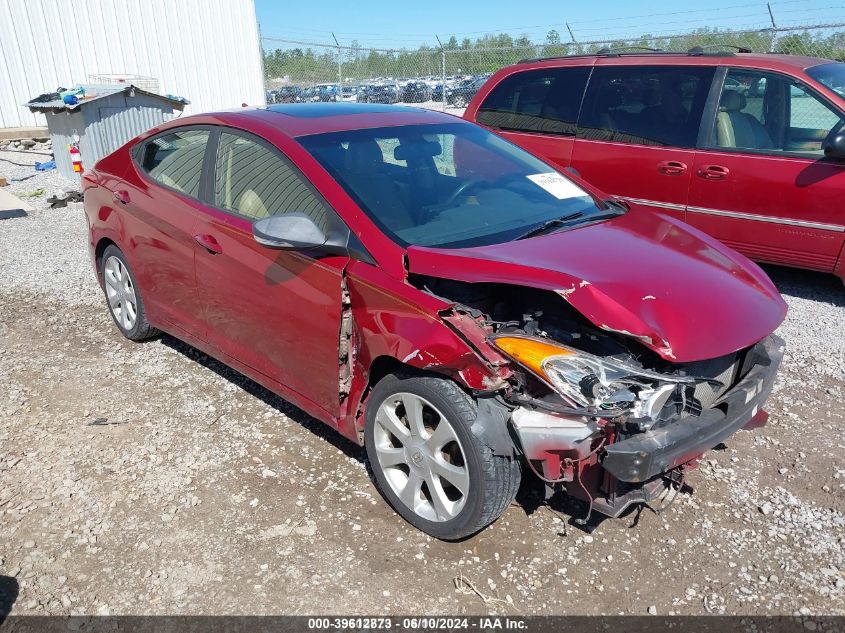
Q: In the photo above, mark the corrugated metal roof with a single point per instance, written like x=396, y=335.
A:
x=94, y=93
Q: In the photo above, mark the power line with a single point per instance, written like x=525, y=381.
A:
x=635, y=29
x=604, y=40
x=760, y=5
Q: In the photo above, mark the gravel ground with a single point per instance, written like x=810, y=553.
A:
x=16, y=167
x=138, y=478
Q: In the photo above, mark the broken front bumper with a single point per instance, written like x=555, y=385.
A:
x=646, y=455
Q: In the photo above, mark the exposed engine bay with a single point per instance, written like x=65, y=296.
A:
x=595, y=411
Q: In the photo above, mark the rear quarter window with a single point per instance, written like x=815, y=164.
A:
x=544, y=101
x=175, y=159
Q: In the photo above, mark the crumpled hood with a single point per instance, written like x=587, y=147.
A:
x=651, y=277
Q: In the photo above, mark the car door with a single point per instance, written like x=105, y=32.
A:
x=762, y=184
x=537, y=110
x=161, y=196
x=638, y=129
x=275, y=311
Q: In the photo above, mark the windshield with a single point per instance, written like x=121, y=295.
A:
x=451, y=185
x=831, y=75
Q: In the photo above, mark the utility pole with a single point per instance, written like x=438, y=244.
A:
x=774, y=39
x=442, y=73
x=339, y=71
x=572, y=37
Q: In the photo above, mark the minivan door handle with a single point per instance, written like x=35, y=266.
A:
x=209, y=243
x=714, y=172
x=671, y=167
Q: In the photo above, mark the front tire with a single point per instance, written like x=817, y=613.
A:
x=427, y=462
x=124, y=297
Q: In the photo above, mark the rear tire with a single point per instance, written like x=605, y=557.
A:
x=123, y=297
x=443, y=480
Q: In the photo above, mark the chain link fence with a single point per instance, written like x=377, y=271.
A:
x=447, y=76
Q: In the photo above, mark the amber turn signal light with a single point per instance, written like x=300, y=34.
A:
x=529, y=352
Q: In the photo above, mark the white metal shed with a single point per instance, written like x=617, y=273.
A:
x=102, y=122
x=207, y=51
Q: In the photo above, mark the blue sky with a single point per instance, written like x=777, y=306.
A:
x=394, y=23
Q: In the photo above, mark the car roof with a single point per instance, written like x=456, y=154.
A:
x=300, y=119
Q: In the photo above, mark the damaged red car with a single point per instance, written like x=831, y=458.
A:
x=459, y=307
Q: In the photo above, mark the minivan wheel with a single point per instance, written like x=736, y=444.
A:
x=427, y=461
x=123, y=296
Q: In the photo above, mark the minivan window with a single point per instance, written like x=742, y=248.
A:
x=647, y=105
x=175, y=159
x=831, y=75
x=771, y=113
x=544, y=101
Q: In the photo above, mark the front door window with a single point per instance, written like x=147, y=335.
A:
x=772, y=114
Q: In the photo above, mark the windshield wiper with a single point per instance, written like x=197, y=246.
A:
x=550, y=224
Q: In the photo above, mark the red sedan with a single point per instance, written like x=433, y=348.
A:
x=454, y=304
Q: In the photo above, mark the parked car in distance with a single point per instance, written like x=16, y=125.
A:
x=461, y=94
x=327, y=92
x=416, y=92
x=381, y=93
x=310, y=95
x=748, y=148
x=349, y=93
x=288, y=94
x=458, y=306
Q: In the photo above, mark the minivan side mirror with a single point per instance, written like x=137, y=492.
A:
x=834, y=147
x=288, y=231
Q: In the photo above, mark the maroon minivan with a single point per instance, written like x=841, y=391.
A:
x=749, y=148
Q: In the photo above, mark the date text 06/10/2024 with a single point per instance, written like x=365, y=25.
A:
x=483, y=623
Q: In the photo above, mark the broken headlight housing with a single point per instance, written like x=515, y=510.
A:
x=586, y=380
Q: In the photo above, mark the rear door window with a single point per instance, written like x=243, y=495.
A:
x=175, y=159
x=645, y=105
x=543, y=101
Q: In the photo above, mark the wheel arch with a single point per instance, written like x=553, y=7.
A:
x=101, y=247
x=380, y=367
x=102, y=244
x=399, y=329
x=492, y=415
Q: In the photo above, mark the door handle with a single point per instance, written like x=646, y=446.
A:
x=714, y=172
x=671, y=167
x=209, y=243
x=120, y=196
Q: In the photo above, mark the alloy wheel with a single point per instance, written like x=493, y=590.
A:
x=421, y=457
x=120, y=293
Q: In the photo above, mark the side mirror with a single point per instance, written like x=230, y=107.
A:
x=288, y=231
x=834, y=147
